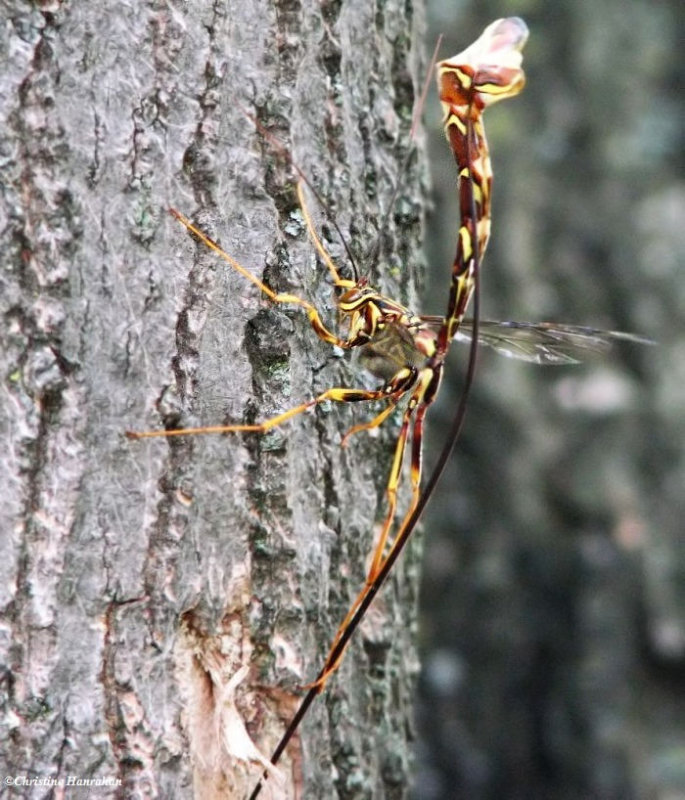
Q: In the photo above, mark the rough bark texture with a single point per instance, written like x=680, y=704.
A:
x=554, y=630
x=162, y=600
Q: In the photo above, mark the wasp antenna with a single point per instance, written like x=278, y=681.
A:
x=279, y=147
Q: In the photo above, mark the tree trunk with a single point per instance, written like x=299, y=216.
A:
x=162, y=600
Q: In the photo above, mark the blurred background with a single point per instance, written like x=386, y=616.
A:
x=553, y=602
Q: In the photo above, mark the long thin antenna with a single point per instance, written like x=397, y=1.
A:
x=273, y=141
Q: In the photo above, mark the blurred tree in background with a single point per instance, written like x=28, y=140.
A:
x=554, y=621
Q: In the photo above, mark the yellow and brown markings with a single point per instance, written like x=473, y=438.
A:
x=489, y=70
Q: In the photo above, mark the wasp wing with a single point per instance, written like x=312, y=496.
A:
x=542, y=342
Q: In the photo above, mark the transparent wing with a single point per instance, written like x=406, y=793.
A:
x=543, y=342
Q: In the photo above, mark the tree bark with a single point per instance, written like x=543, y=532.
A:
x=162, y=600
